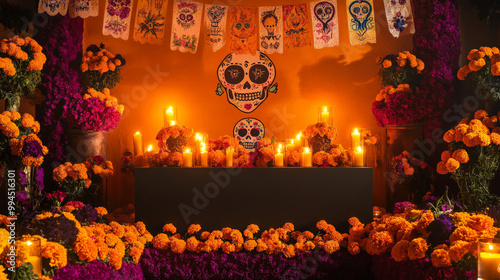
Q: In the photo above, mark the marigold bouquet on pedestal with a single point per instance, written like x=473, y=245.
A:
x=101, y=69
x=20, y=63
x=400, y=101
x=98, y=170
x=484, y=70
x=473, y=159
x=217, y=152
x=96, y=111
x=19, y=143
x=320, y=136
x=173, y=138
x=73, y=179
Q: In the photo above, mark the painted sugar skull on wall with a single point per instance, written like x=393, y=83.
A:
x=247, y=80
x=249, y=131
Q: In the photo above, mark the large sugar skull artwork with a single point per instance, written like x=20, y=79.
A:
x=247, y=80
x=324, y=12
x=186, y=14
x=249, y=131
x=361, y=12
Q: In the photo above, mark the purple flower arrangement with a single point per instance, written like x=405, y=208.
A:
x=97, y=270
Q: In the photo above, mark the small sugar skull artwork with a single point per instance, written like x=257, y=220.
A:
x=249, y=131
x=247, y=80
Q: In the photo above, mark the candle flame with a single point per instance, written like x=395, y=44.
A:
x=491, y=247
x=280, y=146
x=325, y=109
x=150, y=148
x=279, y=150
x=355, y=131
x=298, y=136
x=359, y=149
x=137, y=133
x=29, y=243
x=291, y=141
x=306, y=150
x=203, y=147
x=188, y=150
x=197, y=136
x=170, y=110
x=172, y=123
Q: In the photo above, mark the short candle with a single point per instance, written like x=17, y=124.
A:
x=187, y=157
x=325, y=115
x=278, y=158
x=306, y=158
x=359, y=156
x=229, y=157
x=204, y=155
x=356, y=138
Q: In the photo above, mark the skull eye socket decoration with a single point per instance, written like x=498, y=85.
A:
x=247, y=80
x=249, y=131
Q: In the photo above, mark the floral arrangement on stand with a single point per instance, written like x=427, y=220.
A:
x=96, y=111
x=73, y=179
x=217, y=152
x=416, y=173
x=473, y=159
x=21, y=61
x=98, y=170
x=174, y=138
x=320, y=136
x=484, y=70
x=336, y=156
x=400, y=101
x=101, y=68
x=263, y=156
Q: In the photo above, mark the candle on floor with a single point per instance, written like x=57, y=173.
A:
x=359, y=156
x=489, y=259
x=204, y=155
x=306, y=157
x=356, y=138
x=169, y=116
x=325, y=115
x=187, y=158
x=137, y=144
x=278, y=158
x=229, y=156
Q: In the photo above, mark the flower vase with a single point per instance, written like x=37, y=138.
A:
x=83, y=144
x=176, y=145
x=400, y=139
x=319, y=143
x=13, y=103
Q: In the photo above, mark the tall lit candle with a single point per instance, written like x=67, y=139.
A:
x=187, y=158
x=489, y=259
x=325, y=115
x=298, y=140
x=137, y=144
x=356, y=138
x=169, y=116
x=359, y=156
x=278, y=158
x=229, y=156
x=306, y=158
x=34, y=256
x=204, y=155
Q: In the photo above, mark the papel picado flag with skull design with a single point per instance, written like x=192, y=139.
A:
x=399, y=17
x=186, y=24
x=243, y=33
x=271, y=29
x=215, y=26
x=325, y=24
x=361, y=22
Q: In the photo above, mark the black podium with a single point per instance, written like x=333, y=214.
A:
x=236, y=197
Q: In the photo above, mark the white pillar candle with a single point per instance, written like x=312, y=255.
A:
x=306, y=158
x=187, y=158
x=137, y=144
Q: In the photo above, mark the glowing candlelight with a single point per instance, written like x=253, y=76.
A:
x=34, y=255
x=187, y=157
x=488, y=259
x=169, y=116
x=278, y=157
x=204, y=155
x=325, y=115
x=137, y=144
x=306, y=158
x=359, y=156
x=356, y=138
x=229, y=156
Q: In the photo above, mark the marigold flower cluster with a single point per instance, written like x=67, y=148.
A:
x=29, y=148
x=163, y=159
x=26, y=50
x=478, y=59
x=173, y=131
x=337, y=156
x=105, y=97
x=481, y=131
x=102, y=61
x=217, y=152
x=389, y=90
x=99, y=166
x=321, y=129
x=56, y=253
x=68, y=171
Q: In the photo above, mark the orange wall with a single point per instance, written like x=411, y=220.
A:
x=344, y=77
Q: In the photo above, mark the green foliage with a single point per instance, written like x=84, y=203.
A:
x=487, y=84
x=74, y=189
x=473, y=177
x=23, y=83
x=24, y=272
x=109, y=79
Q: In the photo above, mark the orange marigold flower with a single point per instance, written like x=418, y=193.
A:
x=331, y=246
x=353, y=248
x=192, y=244
x=475, y=54
x=440, y=258
x=449, y=136
x=161, y=241
x=490, y=122
x=461, y=155
x=417, y=248
x=228, y=247
x=321, y=225
x=101, y=211
x=484, y=139
x=250, y=245
x=495, y=138
x=56, y=253
x=486, y=50
x=463, y=233
x=289, y=226
x=476, y=65
x=400, y=250
x=169, y=228
x=441, y=168
x=353, y=221
x=463, y=72
x=445, y=155
x=379, y=242
x=452, y=165
x=387, y=63
x=425, y=220
x=289, y=251
x=471, y=139
x=192, y=229
x=177, y=246
x=480, y=114
x=458, y=249
x=480, y=222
